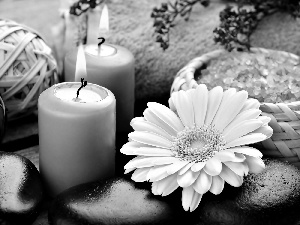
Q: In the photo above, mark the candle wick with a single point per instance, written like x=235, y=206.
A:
x=101, y=41
x=83, y=84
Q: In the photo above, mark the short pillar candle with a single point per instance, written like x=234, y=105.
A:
x=76, y=135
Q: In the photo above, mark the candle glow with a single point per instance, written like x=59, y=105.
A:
x=104, y=22
x=80, y=71
x=103, y=26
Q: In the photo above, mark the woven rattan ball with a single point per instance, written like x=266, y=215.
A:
x=2, y=119
x=27, y=67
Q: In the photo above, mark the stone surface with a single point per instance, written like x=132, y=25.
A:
x=279, y=31
x=115, y=201
x=32, y=154
x=21, y=191
x=271, y=197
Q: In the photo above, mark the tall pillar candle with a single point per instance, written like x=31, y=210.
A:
x=113, y=68
x=76, y=135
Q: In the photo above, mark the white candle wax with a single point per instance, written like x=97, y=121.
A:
x=105, y=50
x=70, y=94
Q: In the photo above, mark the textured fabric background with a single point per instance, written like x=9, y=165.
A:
x=131, y=27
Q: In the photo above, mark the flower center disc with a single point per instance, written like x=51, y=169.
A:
x=198, y=144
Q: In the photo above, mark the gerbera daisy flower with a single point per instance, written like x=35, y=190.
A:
x=198, y=143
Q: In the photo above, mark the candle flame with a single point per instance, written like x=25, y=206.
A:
x=80, y=64
x=104, y=22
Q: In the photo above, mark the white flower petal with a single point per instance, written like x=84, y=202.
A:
x=214, y=99
x=150, y=139
x=217, y=185
x=140, y=175
x=198, y=166
x=187, y=178
x=171, y=105
x=130, y=147
x=163, y=160
x=230, y=177
x=264, y=119
x=129, y=170
x=225, y=155
x=167, y=185
x=240, y=168
x=151, y=117
x=186, y=168
x=135, y=148
x=266, y=130
x=247, y=139
x=200, y=100
x=251, y=103
x=184, y=108
x=242, y=129
x=228, y=94
x=255, y=164
x=242, y=116
x=138, y=118
x=232, y=157
x=166, y=115
x=239, y=157
x=187, y=197
x=157, y=173
x=131, y=164
x=247, y=151
x=154, y=187
x=176, y=166
x=228, y=109
x=203, y=183
x=213, y=167
x=145, y=125
x=153, y=151
x=196, y=201
x=190, y=92
x=141, y=162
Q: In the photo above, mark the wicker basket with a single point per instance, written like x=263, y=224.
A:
x=285, y=141
x=27, y=67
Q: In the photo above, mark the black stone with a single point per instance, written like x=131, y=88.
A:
x=116, y=201
x=271, y=197
x=21, y=191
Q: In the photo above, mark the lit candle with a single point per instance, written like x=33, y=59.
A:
x=76, y=134
x=111, y=67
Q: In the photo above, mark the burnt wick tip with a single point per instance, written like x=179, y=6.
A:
x=83, y=84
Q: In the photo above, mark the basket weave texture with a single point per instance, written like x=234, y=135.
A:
x=285, y=118
x=27, y=68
